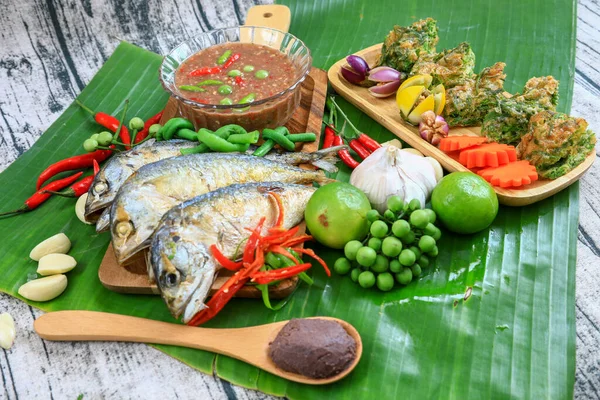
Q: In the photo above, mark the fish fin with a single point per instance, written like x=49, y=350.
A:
x=322, y=179
x=327, y=158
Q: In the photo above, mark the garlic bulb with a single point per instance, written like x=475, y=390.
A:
x=389, y=171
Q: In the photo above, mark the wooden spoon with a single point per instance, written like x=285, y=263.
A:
x=247, y=344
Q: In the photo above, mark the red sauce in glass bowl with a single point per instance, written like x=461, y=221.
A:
x=258, y=73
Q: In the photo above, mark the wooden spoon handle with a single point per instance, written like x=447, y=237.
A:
x=271, y=16
x=99, y=326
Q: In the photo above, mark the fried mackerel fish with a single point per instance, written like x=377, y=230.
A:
x=510, y=120
x=556, y=143
x=404, y=44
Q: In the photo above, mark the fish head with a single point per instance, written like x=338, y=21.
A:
x=184, y=271
x=133, y=219
x=104, y=188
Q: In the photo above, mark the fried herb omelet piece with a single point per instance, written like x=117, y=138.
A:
x=556, y=143
x=510, y=121
x=468, y=103
x=450, y=67
x=403, y=45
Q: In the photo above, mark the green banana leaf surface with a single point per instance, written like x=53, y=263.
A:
x=492, y=318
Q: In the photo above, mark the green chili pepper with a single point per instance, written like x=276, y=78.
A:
x=280, y=139
x=234, y=72
x=225, y=89
x=172, y=126
x=272, y=260
x=248, y=68
x=215, y=143
x=187, y=134
x=302, y=137
x=226, y=101
x=261, y=74
x=221, y=60
x=243, y=138
x=201, y=148
x=191, y=88
x=266, y=147
x=249, y=98
x=209, y=82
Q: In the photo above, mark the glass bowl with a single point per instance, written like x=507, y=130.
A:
x=269, y=112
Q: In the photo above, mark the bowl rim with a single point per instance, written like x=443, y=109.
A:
x=275, y=96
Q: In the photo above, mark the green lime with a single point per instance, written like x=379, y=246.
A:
x=337, y=213
x=464, y=202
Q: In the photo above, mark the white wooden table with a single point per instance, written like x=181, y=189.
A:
x=50, y=50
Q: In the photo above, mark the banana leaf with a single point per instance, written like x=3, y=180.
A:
x=492, y=318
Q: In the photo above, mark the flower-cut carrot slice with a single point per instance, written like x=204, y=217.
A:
x=455, y=143
x=487, y=155
x=514, y=174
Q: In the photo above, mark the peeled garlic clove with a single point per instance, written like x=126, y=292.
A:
x=413, y=151
x=7, y=331
x=53, y=264
x=44, y=289
x=58, y=243
x=80, y=208
x=437, y=168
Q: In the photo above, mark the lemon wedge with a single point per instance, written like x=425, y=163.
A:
x=407, y=98
x=439, y=97
x=417, y=80
x=426, y=105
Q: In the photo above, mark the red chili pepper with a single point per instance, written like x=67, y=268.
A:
x=143, y=134
x=218, y=301
x=239, y=80
x=329, y=136
x=368, y=142
x=109, y=122
x=206, y=71
x=224, y=261
x=277, y=274
x=78, y=188
x=234, y=57
x=252, y=242
x=71, y=163
x=344, y=153
x=43, y=194
x=311, y=253
x=359, y=149
x=198, y=100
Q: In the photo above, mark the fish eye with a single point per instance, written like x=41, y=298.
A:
x=124, y=228
x=100, y=187
x=171, y=278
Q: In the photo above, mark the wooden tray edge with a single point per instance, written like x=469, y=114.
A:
x=409, y=134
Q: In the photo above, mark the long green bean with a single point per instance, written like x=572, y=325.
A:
x=266, y=147
x=280, y=139
x=243, y=138
x=302, y=137
x=215, y=143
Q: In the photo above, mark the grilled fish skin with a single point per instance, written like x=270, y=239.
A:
x=155, y=188
x=180, y=256
x=121, y=166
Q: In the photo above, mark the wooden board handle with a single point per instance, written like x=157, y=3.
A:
x=271, y=16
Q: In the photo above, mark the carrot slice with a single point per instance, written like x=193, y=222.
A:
x=487, y=155
x=514, y=174
x=454, y=143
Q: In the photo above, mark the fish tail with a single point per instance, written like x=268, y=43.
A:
x=326, y=158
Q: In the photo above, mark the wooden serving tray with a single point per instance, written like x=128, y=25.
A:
x=386, y=113
x=308, y=117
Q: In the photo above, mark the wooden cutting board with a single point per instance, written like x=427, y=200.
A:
x=308, y=117
x=385, y=111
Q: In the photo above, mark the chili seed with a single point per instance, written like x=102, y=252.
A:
x=225, y=89
x=226, y=101
x=234, y=72
x=261, y=74
x=248, y=68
